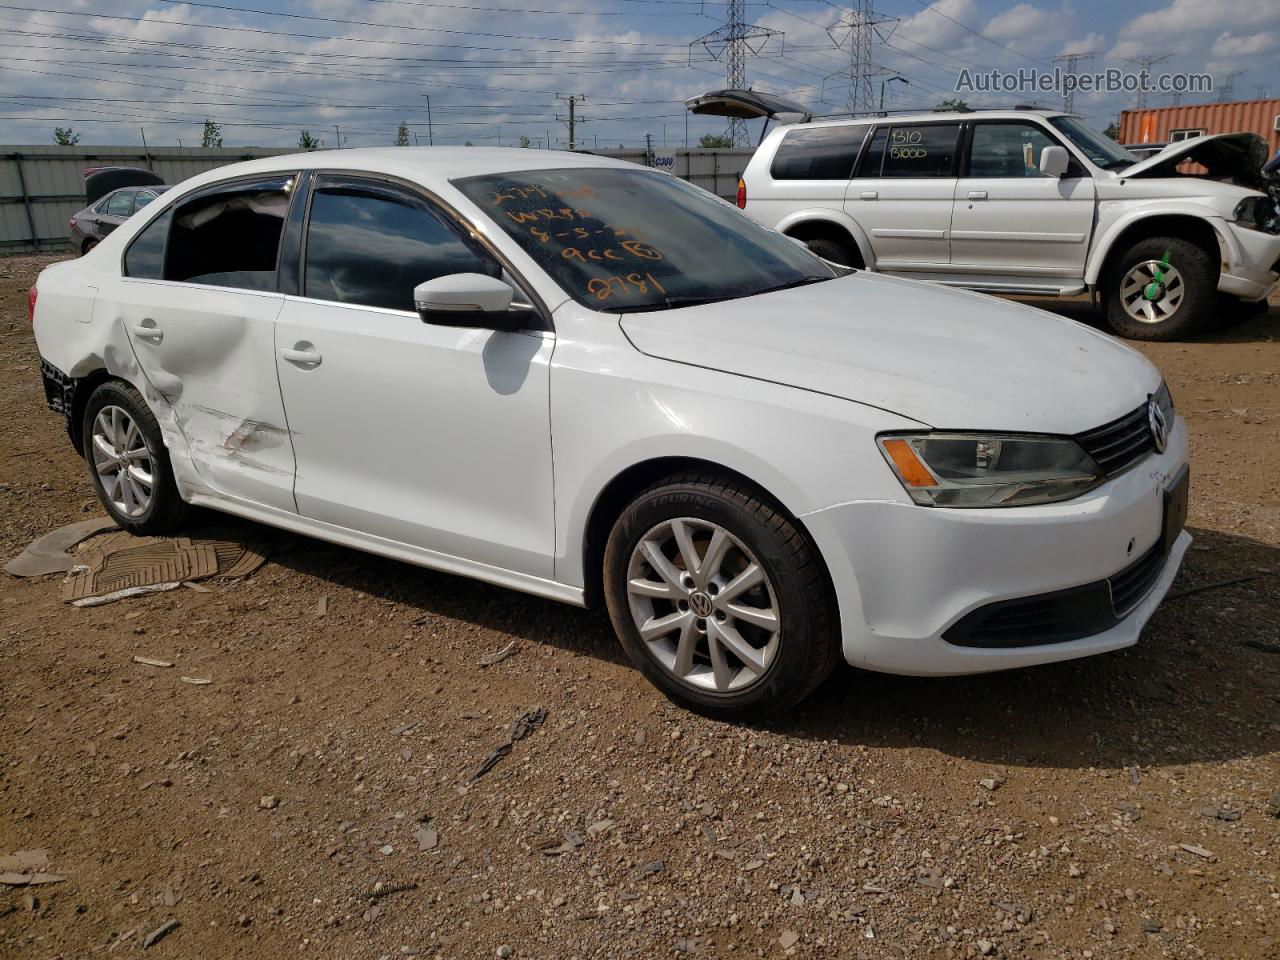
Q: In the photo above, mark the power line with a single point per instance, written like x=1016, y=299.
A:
x=572, y=99
x=1144, y=65
x=1227, y=88
x=861, y=28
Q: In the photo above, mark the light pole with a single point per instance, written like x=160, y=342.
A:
x=890, y=80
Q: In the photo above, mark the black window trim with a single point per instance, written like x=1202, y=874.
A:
x=867, y=128
x=452, y=216
x=1075, y=169
x=210, y=189
x=889, y=124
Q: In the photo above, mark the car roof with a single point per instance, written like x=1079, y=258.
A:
x=932, y=116
x=413, y=163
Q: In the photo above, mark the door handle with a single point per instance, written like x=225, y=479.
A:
x=869, y=195
x=147, y=330
x=303, y=354
x=977, y=194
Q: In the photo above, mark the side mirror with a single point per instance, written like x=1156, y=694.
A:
x=469, y=300
x=1054, y=161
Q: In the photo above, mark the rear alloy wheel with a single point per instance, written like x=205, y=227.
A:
x=1161, y=288
x=719, y=599
x=128, y=461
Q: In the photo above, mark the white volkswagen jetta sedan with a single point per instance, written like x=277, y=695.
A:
x=592, y=382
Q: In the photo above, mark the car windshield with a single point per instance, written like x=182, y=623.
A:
x=1098, y=147
x=629, y=240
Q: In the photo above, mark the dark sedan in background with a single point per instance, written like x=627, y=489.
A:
x=95, y=221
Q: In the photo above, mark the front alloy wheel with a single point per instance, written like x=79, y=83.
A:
x=1152, y=291
x=719, y=598
x=703, y=604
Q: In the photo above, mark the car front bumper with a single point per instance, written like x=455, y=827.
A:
x=1251, y=263
x=906, y=575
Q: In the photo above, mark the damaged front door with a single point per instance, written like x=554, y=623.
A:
x=199, y=307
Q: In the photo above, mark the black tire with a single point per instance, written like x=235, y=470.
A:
x=166, y=510
x=1199, y=271
x=808, y=639
x=835, y=251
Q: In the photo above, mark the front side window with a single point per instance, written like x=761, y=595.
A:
x=1007, y=150
x=371, y=245
x=922, y=150
x=818, y=153
x=622, y=240
x=120, y=204
x=231, y=237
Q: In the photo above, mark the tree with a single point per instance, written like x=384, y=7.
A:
x=212, y=135
x=307, y=142
x=951, y=105
x=1112, y=131
x=716, y=141
x=65, y=137
x=524, y=141
x=402, y=134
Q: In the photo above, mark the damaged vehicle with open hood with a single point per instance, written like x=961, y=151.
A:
x=1023, y=201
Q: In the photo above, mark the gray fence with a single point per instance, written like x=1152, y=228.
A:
x=42, y=187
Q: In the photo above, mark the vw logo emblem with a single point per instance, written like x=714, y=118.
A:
x=1159, y=425
x=700, y=603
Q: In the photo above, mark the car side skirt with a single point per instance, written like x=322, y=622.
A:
x=392, y=549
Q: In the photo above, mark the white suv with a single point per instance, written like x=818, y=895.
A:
x=1030, y=202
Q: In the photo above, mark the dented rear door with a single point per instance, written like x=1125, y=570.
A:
x=210, y=352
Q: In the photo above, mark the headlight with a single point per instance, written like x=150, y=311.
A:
x=1256, y=213
x=988, y=470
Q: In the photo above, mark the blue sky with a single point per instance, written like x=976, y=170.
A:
x=266, y=69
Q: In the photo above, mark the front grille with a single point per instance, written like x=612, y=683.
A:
x=1131, y=584
x=1118, y=445
x=1063, y=615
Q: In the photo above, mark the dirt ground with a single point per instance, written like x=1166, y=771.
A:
x=313, y=799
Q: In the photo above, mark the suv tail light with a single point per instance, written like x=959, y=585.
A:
x=31, y=305
x=742, y=194
x=73, y=223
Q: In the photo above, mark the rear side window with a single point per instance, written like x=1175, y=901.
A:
x=230, y=238
x=922, y=150
x=873, y=156
x=120, y=204
x=371, y=245
x=145, y=256
x=818, y=153
x=144, y=197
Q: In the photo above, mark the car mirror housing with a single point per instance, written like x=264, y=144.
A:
x=1054, y=161
x=469, y=300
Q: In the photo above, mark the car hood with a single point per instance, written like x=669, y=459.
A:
x=1234, y=157
x=946, y=358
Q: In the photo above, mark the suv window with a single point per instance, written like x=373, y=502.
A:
x=120, y=204
x=1007, y=150
x=371, y=244
x=145, y=256
x=818, y=153
x=873, y=156
x=230, y=237
x=921, y=150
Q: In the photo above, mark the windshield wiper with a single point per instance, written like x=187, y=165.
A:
x=802, y=282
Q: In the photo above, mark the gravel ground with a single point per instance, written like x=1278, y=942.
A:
x=315, y=797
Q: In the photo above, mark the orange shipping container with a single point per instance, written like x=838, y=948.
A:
x=1163, y=124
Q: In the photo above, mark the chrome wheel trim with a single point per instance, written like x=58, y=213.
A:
x=1133, y=291
x=703, y=605
x=123, y=461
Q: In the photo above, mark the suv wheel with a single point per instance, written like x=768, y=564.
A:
x=128, y=461
x=1161, y=288
x=718, y=599
x=835, y=251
